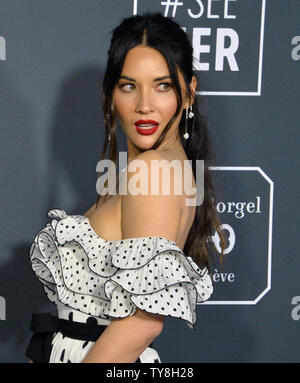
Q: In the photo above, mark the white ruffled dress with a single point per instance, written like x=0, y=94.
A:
x=92, y=280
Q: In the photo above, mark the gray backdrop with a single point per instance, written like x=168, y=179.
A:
x=247, y=52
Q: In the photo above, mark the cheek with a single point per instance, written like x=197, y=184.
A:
x=123, y=105
x=168, y=106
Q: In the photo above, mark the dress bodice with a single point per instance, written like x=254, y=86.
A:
x=110, y=279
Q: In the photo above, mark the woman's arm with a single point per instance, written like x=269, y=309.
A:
x=125, y=339
x=142, y=215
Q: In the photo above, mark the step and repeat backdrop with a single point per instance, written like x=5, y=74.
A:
x=247, y=57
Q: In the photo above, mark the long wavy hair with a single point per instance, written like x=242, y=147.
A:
x=166, y=36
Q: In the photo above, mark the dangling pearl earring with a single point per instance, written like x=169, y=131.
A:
x=191, y=114
x=187, y=115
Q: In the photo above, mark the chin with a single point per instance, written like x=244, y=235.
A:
x=144, y=145
x=144, y=142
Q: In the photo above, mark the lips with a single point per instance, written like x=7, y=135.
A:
x=146, y=127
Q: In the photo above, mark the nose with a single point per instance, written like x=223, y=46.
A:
x=144, y=102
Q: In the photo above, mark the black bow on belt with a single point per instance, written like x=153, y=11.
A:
x=44, y=325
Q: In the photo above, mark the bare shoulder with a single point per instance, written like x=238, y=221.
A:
x=147, y=209
x=162, y=168
x=154, y=173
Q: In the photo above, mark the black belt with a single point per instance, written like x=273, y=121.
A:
x=44, y=325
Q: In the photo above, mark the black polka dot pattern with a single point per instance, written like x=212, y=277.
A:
x=110, y=279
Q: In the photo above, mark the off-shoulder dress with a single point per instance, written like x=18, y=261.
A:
x=92, y=280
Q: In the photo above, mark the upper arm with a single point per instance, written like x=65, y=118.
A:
x=147, y=324
x=150, y=215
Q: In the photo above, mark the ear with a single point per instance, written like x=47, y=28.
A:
x=193, y=85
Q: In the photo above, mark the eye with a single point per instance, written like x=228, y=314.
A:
x=122, y=86
x=167, y=85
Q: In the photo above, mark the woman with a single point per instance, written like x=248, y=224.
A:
x=117, y=271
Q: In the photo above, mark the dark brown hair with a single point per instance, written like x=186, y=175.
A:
x=167, y=37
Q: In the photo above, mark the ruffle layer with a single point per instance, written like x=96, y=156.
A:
x=113, y=278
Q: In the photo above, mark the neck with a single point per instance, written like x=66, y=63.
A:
x=173, y=144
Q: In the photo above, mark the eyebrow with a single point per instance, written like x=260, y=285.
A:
x=132, y=79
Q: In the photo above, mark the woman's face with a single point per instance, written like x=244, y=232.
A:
x=144, y=92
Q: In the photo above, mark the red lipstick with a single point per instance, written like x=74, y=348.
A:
x=146, y=127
